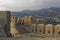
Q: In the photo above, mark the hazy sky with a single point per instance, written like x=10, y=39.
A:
x=27, y=4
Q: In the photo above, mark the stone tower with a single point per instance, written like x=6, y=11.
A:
x=13, y=24
x=5, y=21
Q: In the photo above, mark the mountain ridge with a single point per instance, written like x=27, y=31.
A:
x=46, y=12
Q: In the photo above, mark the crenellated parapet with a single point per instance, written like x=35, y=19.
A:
x=37, y=27
x=13, y=20
x=48, y=29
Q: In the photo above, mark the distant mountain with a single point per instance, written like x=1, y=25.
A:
x=46, y=12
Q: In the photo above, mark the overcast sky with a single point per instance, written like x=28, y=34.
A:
x=27, y=4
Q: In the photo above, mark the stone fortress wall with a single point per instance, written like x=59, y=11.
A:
x=35, y=26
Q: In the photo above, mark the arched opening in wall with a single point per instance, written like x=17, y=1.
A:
x=10, y=35
x=59, y=32
x=32, y=30
x=40, y=31
x=49, y=32
x=22, y=22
